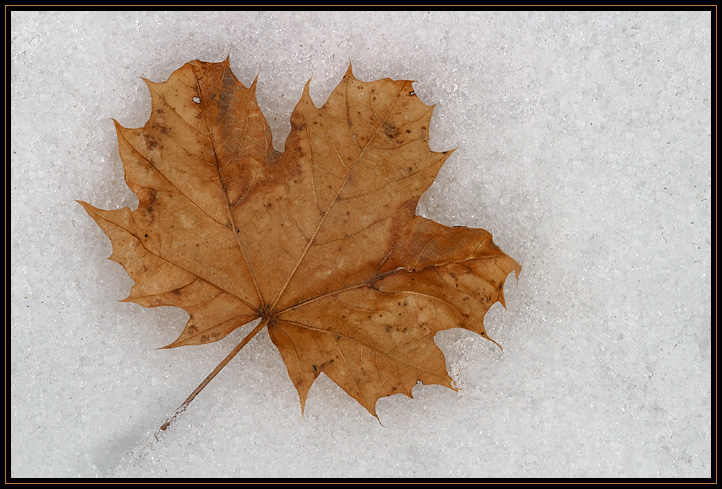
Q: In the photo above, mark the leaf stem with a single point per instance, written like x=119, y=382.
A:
x=212, y=375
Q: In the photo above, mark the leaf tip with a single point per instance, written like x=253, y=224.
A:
x=88, y=208
x=307, y=90
x=497, y=344
x=447, y=154
x=254, y=84
x=375, y=415
x=501, y=299
x=118, y=126
x=349, y=71
x=148, y=83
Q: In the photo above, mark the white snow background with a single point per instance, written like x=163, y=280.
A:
x=583, y=147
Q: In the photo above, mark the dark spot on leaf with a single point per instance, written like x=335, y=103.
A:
x=390, y=130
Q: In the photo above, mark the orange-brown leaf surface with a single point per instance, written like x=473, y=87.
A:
x=321, y=241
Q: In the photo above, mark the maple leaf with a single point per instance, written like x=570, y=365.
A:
x=321, y=241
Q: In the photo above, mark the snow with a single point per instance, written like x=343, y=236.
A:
x=583, y=146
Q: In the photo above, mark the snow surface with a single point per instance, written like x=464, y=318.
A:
x=583, y=146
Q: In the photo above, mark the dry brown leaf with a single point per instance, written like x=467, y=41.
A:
x=321, y=241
